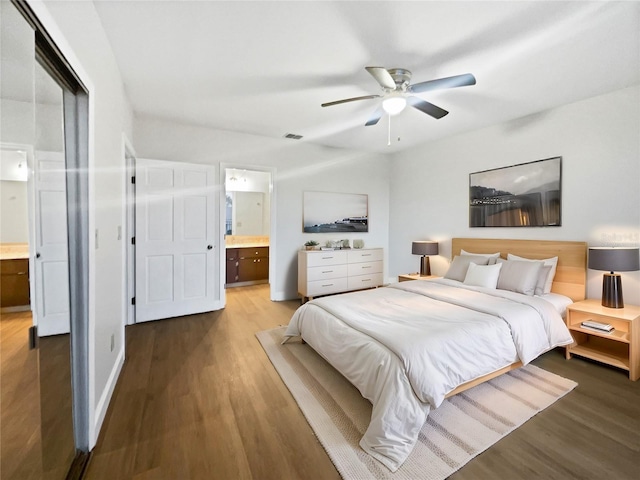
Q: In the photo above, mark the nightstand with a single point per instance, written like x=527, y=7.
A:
x=620, y=348
x=414, y=276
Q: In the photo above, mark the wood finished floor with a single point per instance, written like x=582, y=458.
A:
x=198, y=398
x=36, y=427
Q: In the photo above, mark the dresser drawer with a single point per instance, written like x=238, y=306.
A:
x=326, y=272
x=329, y=257
x=364, y=268
x=324, y=287
x=357, y=255
x=365, y=281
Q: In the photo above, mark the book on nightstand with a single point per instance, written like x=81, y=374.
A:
x=598, y=326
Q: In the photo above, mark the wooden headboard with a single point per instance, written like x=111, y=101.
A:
x=571, y=273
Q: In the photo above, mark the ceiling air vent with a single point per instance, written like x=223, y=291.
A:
x=293, y=136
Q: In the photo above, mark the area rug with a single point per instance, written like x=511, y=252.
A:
x=462, y=427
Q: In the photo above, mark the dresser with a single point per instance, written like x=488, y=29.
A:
x=322, y=272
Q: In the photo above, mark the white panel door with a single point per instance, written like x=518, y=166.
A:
x=176, y=240
x=51, y=262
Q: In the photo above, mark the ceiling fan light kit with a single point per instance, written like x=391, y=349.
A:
x=397, y=88
x=394, y=103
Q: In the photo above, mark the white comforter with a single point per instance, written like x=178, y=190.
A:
x=408, y=345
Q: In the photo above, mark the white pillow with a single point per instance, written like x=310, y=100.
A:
x=491, y=256
x=460, y=264
x=552, y=262
x=483, y=275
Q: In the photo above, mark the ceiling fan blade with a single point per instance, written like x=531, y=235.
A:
x=375, y=117
x=382, y=76
x=346, y=100
x=463, y=80
x=426, y=107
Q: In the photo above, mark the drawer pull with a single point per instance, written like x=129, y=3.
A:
x=328, y=285
x=327, y=271
x=326, y=258
x=21, y=273
x=366, y=255
x=366, y=279
x=367, y=266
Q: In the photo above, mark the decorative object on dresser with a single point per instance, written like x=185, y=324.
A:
x=523, y=195
x=619, y=259
x=335, y=271
x=358, y=243
x=424, y=248
x=310, y=245
x=619, y=347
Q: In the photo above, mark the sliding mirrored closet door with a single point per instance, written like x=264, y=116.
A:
x=43, y=429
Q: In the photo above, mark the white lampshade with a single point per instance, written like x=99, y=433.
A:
x=393, y=105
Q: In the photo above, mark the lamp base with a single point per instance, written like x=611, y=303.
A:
x=612, y=290
x=425, y=269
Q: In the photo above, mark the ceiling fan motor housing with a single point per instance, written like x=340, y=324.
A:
x=401, y=76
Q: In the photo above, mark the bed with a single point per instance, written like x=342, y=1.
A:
x=408, y=346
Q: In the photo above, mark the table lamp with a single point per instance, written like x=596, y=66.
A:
x=424, y=248
x=619, y=259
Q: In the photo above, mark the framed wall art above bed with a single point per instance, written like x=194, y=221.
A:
x=524, y=195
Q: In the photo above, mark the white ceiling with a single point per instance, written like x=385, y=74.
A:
x=265, y=67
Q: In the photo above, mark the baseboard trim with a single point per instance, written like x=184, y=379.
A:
x=18, y=308
x=105, y=398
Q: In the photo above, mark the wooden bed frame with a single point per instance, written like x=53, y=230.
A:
x=570, y=279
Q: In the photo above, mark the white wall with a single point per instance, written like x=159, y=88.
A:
x=300, y=166
x=76, y=29
x=14, y=227
x=599, y=142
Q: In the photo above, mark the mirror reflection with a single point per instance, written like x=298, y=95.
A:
x=247, y=202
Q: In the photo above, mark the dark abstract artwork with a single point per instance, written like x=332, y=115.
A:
x=524, y=195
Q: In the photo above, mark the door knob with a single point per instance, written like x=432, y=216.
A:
x=209, y=247
x=37, y=254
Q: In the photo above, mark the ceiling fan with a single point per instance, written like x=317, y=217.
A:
x=395, y=83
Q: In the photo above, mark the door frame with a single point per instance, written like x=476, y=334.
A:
x=272, y=224
x=129, y=232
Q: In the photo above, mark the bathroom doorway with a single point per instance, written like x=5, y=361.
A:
x=248, y=219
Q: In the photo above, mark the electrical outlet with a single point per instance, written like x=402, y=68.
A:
x=113, y=341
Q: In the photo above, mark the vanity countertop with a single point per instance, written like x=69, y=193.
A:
x=247, y=245
x=14, y=251
x=246, y=241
